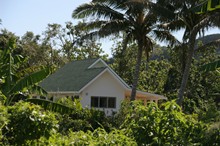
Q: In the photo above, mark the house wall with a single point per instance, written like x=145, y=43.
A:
x=106, y=85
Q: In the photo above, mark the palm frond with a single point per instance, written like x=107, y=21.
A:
x=200, y=8
x=51, y=106
x=137, y=5
x=173, y=25
x=166, y=36
x=204, y=22
x=150, y=19
x=164, y=10
x=98, y=10
x=106, y=29
x=93, y=25
x=126, y=39
x=114, y=27
x=117, y=4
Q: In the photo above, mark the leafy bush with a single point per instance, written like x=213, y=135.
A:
x=166, y=125
x=212, y=135
x=208, y=112
x=3, y=120
x=81, y=119
x=28, y=122
x=2, y=96
x=97, y=137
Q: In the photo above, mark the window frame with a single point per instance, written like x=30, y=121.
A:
x=100, y=105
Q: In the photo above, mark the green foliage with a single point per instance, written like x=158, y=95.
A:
x=212, y=135
x=208, y=112
x=155, y=77
x=211, y=66
x=207, y=6
x=3, y=120
x=65, y=39
x=153, y=74
x=36, y=52
x=2, y=97
x=52, y=106
x=12, y=83
x=73, y=103
x=28, y=122
x=97, y=137
x=201, y=86
x=166, y=125
x=83, y=120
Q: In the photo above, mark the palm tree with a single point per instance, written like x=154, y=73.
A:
x=134, y=18
x=193, y=24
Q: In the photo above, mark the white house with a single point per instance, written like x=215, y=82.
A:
x=95, y=83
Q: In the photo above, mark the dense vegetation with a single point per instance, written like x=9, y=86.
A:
x=26, y=60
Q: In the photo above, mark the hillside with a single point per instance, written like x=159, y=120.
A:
x=160, y=52
x=209, y=38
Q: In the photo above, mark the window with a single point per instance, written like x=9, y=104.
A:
x=111, y=102
x=103, y=102
x=95, y=102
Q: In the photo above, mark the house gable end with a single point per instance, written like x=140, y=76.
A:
x=119, y=81
x=98, y=64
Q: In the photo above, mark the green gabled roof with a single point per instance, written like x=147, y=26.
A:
x=71, y=77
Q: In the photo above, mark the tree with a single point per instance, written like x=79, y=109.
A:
x=193, y=24
x=153, y=73
x=37, y=53
x=18, y=80
x=134, y=19
x=65, y=39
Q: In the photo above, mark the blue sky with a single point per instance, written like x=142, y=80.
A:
x=20, y=16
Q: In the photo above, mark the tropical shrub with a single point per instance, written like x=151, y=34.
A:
x=28, y=122
x=2, y=96
x=212, y=135
x=81, y=119
x=208, y=112
x=3, y=120
x=167, y=125
x=97, y=137
x=86, y=119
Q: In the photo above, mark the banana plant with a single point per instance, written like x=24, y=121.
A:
x=12, y=82
x=211, y=66
x=207, y=6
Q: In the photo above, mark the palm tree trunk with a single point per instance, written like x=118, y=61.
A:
x=137, y=70
x=186, y=69
x=192, y=39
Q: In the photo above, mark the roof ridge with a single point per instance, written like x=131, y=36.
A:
x=85, y=59
x=96, y=68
